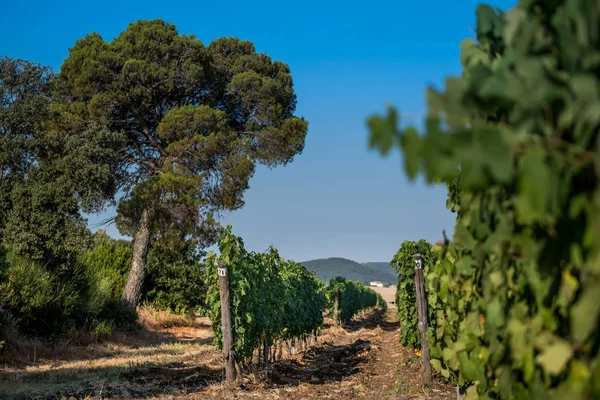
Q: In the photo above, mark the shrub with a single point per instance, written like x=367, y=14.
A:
x=45, y=302
x=51, y=300
x=175, y=276
x=120, y=318
x=103, y=329
x=9, y=331
x=107, y=265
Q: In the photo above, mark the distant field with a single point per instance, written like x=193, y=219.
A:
x=388, y=294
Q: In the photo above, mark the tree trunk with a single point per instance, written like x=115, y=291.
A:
x=135, y=279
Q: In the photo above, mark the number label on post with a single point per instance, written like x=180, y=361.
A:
x=418, y=264
x=222, y=271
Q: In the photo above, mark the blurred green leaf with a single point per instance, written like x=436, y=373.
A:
x=554, y=358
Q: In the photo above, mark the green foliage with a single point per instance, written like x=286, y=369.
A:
x=270, y=297
x=45, y=302
x=196, y=119
x=304, y=300
x=8, y=328
x=175, y=278
x=107, y=265
x=403, y=263
x=24, y=98
x=45, y=178
x=44, y=222
x=451, y=291
x=353, y=297
x=53, y=299
x=516, y=140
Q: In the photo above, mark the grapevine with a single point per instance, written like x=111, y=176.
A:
x=404, y=265
x=515, y=138
x=353, y=297
x=271, y=298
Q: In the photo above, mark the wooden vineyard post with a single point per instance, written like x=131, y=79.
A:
x=226, y=328
x=422, y=325
x=336, y=309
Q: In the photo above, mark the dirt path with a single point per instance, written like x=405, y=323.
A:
x=362, y=360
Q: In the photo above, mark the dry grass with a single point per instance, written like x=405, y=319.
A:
x=154, y=319
x=159, y=328
x=93, y=374
x=72, y=366
x=361, y=359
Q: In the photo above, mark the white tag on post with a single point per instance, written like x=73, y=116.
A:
x=222, y=271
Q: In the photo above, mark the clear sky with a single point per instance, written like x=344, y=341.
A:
x=348, y=60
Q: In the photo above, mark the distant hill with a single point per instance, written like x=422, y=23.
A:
x=328, y=268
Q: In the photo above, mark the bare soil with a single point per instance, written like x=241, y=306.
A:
x=362, y=360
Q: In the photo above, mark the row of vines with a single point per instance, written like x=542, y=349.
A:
x=516, y=295
x=274, y=299
x=352, y=298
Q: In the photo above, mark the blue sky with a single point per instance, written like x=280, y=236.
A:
x=348, y=60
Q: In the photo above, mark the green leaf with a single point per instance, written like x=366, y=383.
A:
x=436, y=364
x=411, y=144
x=513, y=20
x=471, y=54
x=495, y=314
x=383, y=131
x=554, y=359
x=497, y=156
x=585, y=313
x=485, y=19
x=534, y=186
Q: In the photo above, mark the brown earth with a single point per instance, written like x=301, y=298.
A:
x=362, y=360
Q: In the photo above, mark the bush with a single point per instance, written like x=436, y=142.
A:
x=51, y=300
x=9, y=332
x=119, y=317
x=45, y=302
x=108, y=264
x=175, y=276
